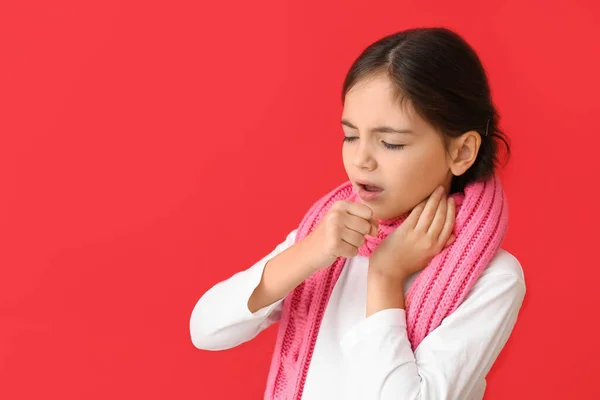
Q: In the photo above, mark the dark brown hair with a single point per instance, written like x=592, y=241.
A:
x=444, y=81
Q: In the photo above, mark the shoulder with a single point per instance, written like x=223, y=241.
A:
x=503, y=267
x=291, y=236
x=504, y=262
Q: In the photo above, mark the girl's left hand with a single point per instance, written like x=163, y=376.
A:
x=422, y=236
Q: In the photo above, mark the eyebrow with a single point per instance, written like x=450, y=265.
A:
x=378, y=129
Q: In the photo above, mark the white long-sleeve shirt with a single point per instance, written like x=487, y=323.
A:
x=358, y=357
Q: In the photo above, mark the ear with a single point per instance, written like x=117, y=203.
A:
x=463, y=152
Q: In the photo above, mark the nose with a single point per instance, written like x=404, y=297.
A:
x=363, y=157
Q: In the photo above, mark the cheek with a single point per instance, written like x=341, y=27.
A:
x=429, y=165
x=415, y=177
x=346, y=158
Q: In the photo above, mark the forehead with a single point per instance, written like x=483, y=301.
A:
x=374, y=100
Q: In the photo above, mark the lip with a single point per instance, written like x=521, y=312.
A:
x=367, y=183
x=365, y=195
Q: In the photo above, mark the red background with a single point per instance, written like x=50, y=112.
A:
x=149, y=150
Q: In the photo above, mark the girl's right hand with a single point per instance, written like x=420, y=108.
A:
x=341, y=232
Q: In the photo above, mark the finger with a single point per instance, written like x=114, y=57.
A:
x=438, y=220
x=358, y=209
x=414, y=216
x=450, y=241
x=374, y=227
x=449, y=223
x=347, y=250
x=358, y=224
x=353, y=238
x=430, y=210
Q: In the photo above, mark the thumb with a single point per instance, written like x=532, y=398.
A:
x=374, y=227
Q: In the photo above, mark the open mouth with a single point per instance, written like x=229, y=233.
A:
x=369, y=188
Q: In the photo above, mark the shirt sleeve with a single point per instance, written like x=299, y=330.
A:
x=450, y=360
x=221, y=319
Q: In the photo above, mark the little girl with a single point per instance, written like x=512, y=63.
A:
x=394, y=285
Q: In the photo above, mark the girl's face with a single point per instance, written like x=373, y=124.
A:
x=391, y=147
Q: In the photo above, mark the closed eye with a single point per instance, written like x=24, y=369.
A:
x=393, y=146
x=385, y=144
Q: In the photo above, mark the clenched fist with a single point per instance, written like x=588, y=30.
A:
x=341, y=232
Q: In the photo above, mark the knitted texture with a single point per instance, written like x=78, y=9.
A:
x=480, y=227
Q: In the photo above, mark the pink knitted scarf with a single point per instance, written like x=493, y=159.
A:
x=480, y=227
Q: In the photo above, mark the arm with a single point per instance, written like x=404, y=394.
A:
x=234, y=311
x=221, y=318
x=452, y=358
x=383, y=293
x=284, y=272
